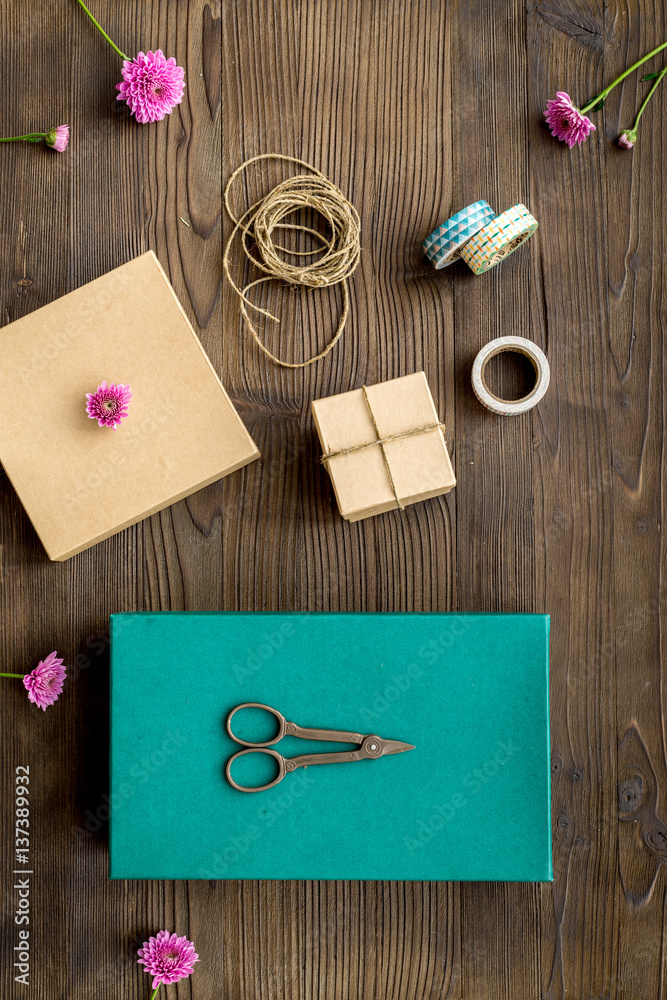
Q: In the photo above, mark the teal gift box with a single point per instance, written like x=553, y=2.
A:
x=470, y=691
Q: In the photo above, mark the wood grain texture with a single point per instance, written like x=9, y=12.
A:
x=413, y=109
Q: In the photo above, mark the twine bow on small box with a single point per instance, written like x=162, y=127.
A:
x=382, y=441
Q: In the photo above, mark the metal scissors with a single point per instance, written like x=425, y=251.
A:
x=370, y=747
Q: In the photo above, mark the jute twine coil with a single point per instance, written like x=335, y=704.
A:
x=382, y=441
x=337, y=255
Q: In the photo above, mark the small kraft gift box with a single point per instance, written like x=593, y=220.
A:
x=80, y=482
x=383, y=446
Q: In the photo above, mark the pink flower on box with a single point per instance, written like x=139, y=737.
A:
x=108, y=404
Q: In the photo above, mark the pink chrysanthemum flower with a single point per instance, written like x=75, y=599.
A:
x=108, y=404
x=152, y=86
x=58, y=138
x=566, y=122
x=627, y=138
x=167, y=958
x=45, y=682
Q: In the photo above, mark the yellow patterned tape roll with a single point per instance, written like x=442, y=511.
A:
x=498, y=239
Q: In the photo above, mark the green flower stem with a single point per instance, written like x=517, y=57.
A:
x=13, y=675
x=618, y=79
x=648, y=98
x=31, y=137
x=154, y=993
x=112, y=44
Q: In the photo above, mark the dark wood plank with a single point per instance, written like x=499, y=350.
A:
x=635, y=407
x=369, y=939
x=498, y=557
x=599, y=468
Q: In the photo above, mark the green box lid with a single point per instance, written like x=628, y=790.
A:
x=470, y=691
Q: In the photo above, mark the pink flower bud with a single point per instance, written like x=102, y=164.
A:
x=627, y=138
x=57, y=138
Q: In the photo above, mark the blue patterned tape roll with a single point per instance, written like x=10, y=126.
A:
x=444, y=244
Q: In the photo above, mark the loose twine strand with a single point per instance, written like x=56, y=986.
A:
x=337, y=255
x=382, y=441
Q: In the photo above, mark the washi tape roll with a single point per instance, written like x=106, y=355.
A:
x=520, y=345
x=443, y=246
x=498, y=239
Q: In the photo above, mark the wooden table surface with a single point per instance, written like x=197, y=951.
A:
x=414, y=109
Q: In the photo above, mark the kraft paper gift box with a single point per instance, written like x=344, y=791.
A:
x=81, y=483
x=469, y=691
x=370, y=477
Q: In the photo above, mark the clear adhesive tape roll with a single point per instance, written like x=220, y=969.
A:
x=519, y=345
x=443, y=245
x=498, y=239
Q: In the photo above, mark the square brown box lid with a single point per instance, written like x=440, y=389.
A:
x=81, y=483
x=420, y=463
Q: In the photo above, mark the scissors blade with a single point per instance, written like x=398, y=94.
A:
x=393, y=746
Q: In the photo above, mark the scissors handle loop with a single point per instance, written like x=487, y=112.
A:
x=282, y=724
x=282, y=768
